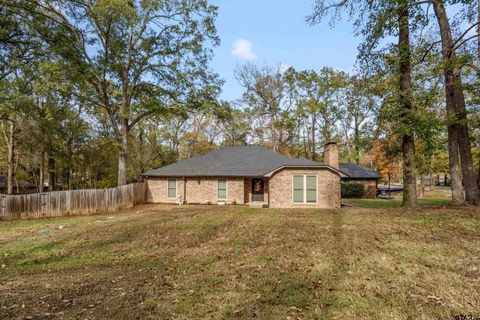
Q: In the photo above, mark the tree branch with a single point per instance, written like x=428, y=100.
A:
x=464, y=41
x=463, y=35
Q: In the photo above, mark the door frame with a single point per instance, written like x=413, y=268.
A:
x=258, y=194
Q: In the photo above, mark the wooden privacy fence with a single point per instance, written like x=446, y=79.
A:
x=73, y=202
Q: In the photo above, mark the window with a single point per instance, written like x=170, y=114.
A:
x=298, y=189
x=304, y=189
x=311, y=189
x=172, y=189
x=222, y=189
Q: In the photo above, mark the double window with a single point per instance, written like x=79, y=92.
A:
x=304, y=189
x=222, y=189
x=172, y=189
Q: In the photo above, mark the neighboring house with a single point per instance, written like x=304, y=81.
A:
x=3, y=184
x=367, y=177
x=19, y=187
x=249, y=175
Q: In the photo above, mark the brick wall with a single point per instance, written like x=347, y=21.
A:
x=203, y=190
x=198, y=190
x=328, y=189
x=330, y=155
x=157, y=190
x=235, y=191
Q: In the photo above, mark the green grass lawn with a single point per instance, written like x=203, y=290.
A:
x=394, y=203
x=237, y=263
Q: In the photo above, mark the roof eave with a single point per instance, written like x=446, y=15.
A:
x=358, y=177
x=201, y=176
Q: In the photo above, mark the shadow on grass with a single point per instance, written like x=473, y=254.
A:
x=394, y=203
x=329, y=297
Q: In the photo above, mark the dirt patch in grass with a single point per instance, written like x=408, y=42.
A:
x=238, y=263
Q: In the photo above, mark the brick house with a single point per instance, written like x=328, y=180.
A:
x=249, y=175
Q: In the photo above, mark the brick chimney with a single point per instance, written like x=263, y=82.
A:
x=330, y=155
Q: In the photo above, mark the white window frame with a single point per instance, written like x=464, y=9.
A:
x=305, y=188
x=176, y=187
x=226, y=190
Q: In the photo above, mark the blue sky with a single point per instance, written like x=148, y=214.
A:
x=274, y=32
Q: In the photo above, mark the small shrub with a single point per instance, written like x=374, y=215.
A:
x=352, y=190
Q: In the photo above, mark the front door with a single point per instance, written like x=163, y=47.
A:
x=257, y=189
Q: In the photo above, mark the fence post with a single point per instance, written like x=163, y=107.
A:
x=43, y=203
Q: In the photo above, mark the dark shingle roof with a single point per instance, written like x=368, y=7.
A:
x=232, y=161
x=355, y=171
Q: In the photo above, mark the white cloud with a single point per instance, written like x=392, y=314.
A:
x=243, y=49
x=283, y=67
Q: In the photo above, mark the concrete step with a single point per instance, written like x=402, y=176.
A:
x=257, y=205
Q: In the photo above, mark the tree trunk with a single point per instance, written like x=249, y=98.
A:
x=478, y=75
x=15, y=173
x=408, y=140
x=478, y=33
x=70, y=165
x=123, y=152
x=357, y=141
x=314, y=119
x=273, y=133
x=455, y=101
x=51, y=174
x=421, y=189
x=478, y=175
x=410, y=183
x=11, y=156
x=458, y=196
x=347, y=142
x=41, y=174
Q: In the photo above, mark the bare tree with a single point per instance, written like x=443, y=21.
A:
x=266, y=94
